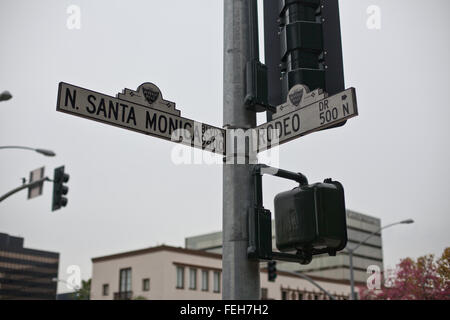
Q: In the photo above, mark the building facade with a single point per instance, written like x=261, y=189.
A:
x=171, y=273
x=359, y=227
x=26, y=273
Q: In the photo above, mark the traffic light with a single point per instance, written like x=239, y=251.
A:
x=311, y=218
x=302, y=46
x=272, y=270
x=59, y=189
x=311, y=48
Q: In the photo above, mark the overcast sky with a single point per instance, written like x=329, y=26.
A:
x=125, y=192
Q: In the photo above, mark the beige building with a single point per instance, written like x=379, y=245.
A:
x=359, y=226
x=171, y=273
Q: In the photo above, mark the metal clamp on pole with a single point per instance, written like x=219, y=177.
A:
x=24, y=186
x=260, y=220
x=256, y=93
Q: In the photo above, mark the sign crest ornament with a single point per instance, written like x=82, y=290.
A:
x=149, y=95
x=296, y=96
x=299, y=97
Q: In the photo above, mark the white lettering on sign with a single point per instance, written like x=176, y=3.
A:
x=121, y=113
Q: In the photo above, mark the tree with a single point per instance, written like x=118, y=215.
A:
x=84, y=292
x=423, y=279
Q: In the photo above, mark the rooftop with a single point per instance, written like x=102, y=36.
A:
x=157, y=249
x=199, y=253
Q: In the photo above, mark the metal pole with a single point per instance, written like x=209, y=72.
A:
x=45, y=152
x=17, y=147
x=25, y=186
x=352, y=280
x=240, y=275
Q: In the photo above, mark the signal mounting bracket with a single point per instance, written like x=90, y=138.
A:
x=260, y=222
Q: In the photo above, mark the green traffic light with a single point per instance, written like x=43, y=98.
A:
x=272, y=270
x=59, y=189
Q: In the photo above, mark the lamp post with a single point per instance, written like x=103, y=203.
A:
x=352, y=250
x=5, y=95
x=24, y=186
x=45, y=152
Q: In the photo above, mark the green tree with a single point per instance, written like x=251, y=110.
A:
x=84, y=292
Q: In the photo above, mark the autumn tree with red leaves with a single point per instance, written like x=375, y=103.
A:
x=423, y=279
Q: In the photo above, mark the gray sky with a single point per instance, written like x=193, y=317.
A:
x=125, y=192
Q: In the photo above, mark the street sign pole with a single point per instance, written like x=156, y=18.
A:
x=24, y=186
x=307, y=109
x=240, y=276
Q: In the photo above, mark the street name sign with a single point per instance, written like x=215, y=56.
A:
x=302, y=119
x=36, y=190
x=144, y=111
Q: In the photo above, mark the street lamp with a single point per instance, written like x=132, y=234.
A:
x=352, y=250
x=5, y=95
x=45, y=152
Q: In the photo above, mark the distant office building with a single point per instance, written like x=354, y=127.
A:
x=66, y=296
x=26, y=273
x=171, y=273
x=359, y=226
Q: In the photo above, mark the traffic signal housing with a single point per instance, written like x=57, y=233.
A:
x=311, y=46
x=271, y=270
x=302, y=46
x=311, y=218
x=59, y=189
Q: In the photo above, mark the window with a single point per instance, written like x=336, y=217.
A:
x=216, y=281
x=180, y=277
x=283, y=295
x=125, y=280
x=205, y=280
x=264, y=294
x=105, y=290
x=146, y=284
x=192, y=279
x=300, y=296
